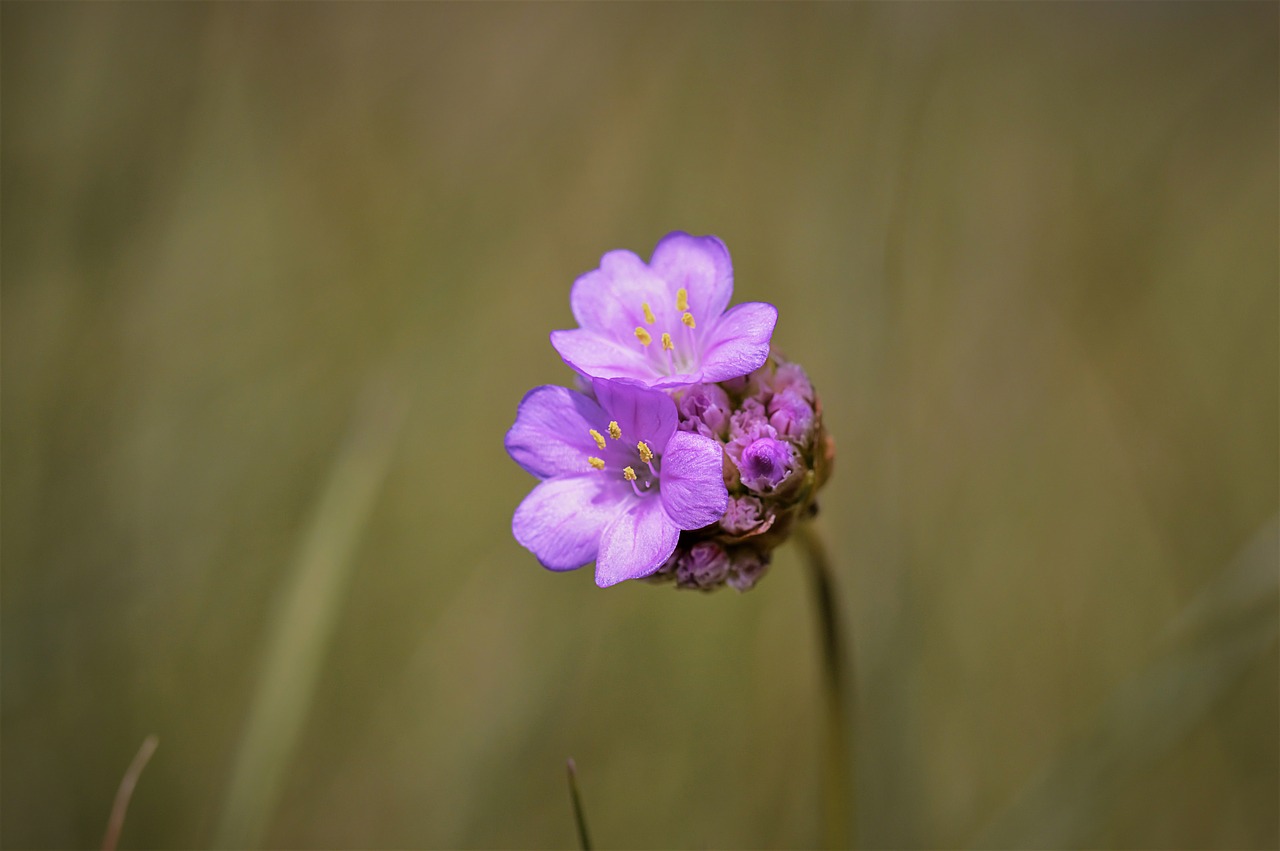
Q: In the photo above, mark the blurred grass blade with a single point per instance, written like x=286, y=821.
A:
x=305, y=617
x=579, y=816
x=119, y=807
x=1227, y=629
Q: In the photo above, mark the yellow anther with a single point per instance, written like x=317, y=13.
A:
x=598, y=438
x=682, y=299
x=687, y=319
x=666, y=342
x=646, y=454
x=648, y=314
x=614, y=431
x=598, y=463
x=643, y=336
x=628, y=474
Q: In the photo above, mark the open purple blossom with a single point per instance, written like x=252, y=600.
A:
x=619, y=482
x=664, y=323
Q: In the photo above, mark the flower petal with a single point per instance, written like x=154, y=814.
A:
x=610, y=300
x=552, y=432
x=636, y=543
x=699, y=264
x=739, y=343
x=641, y=413
x=692, y=481
x=593, y=354
x=562, y=519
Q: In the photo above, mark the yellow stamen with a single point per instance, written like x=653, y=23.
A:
x=643, y=336
x=646, y=454
x=614, y=431
x=682, y=299
x=648, y=314
x=598, y=463
x=687, y=319
x=666, y=342
x=628, y=474
x=598, y=438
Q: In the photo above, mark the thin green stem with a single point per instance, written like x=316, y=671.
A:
x=579, y=817
x=839, y=687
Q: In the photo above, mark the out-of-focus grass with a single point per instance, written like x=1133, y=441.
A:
x=1027, y=252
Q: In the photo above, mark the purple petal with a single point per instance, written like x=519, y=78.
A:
x=641, y=413
x=598, y=355
x=674, y=382
x=552, y=432
x=739, y=342
x=699, y=264
x=692, y=480
x=610, y=300
x=562, y=519
x=636, y=543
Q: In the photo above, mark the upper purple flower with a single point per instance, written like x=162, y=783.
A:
x=619, y=482
x=664, y=324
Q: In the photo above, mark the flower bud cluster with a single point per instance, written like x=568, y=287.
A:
x=776, y=456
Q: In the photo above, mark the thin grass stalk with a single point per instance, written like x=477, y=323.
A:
x=305, y=619
x=124, y=794
x=579, y=815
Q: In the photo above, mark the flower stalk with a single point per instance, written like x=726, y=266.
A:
x=838, y=688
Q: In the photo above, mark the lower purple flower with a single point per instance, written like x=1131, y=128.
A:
x=619, y=481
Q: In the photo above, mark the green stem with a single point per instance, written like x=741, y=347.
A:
x=579, y=817
x=838, y=683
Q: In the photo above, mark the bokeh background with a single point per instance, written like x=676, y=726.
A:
x=275, y=276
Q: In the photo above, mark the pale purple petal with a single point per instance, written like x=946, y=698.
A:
x=636, y=543
x=674, y=382
x=593, y=354
x=610, y=300
x=699, y=264
x=692, y=480
x=561, y=520
x=739, y=342
x=641, y=413
x=552, y=432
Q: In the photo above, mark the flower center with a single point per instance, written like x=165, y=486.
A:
x=621, y=459
x=678, y=353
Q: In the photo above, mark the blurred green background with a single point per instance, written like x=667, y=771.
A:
x=275, y=276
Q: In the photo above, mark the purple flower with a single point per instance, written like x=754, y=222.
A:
x=766, y=463
x=791, y=378
x=748, y=568
x=619, y=482
x=705, y=408
x=790, y=415
x=745, y=515
x=747, y=425
x=664, y=324
x=705, y=566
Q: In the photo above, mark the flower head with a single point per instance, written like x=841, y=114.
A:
x=777, y=456
x=619, y=481
x=664, y=323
